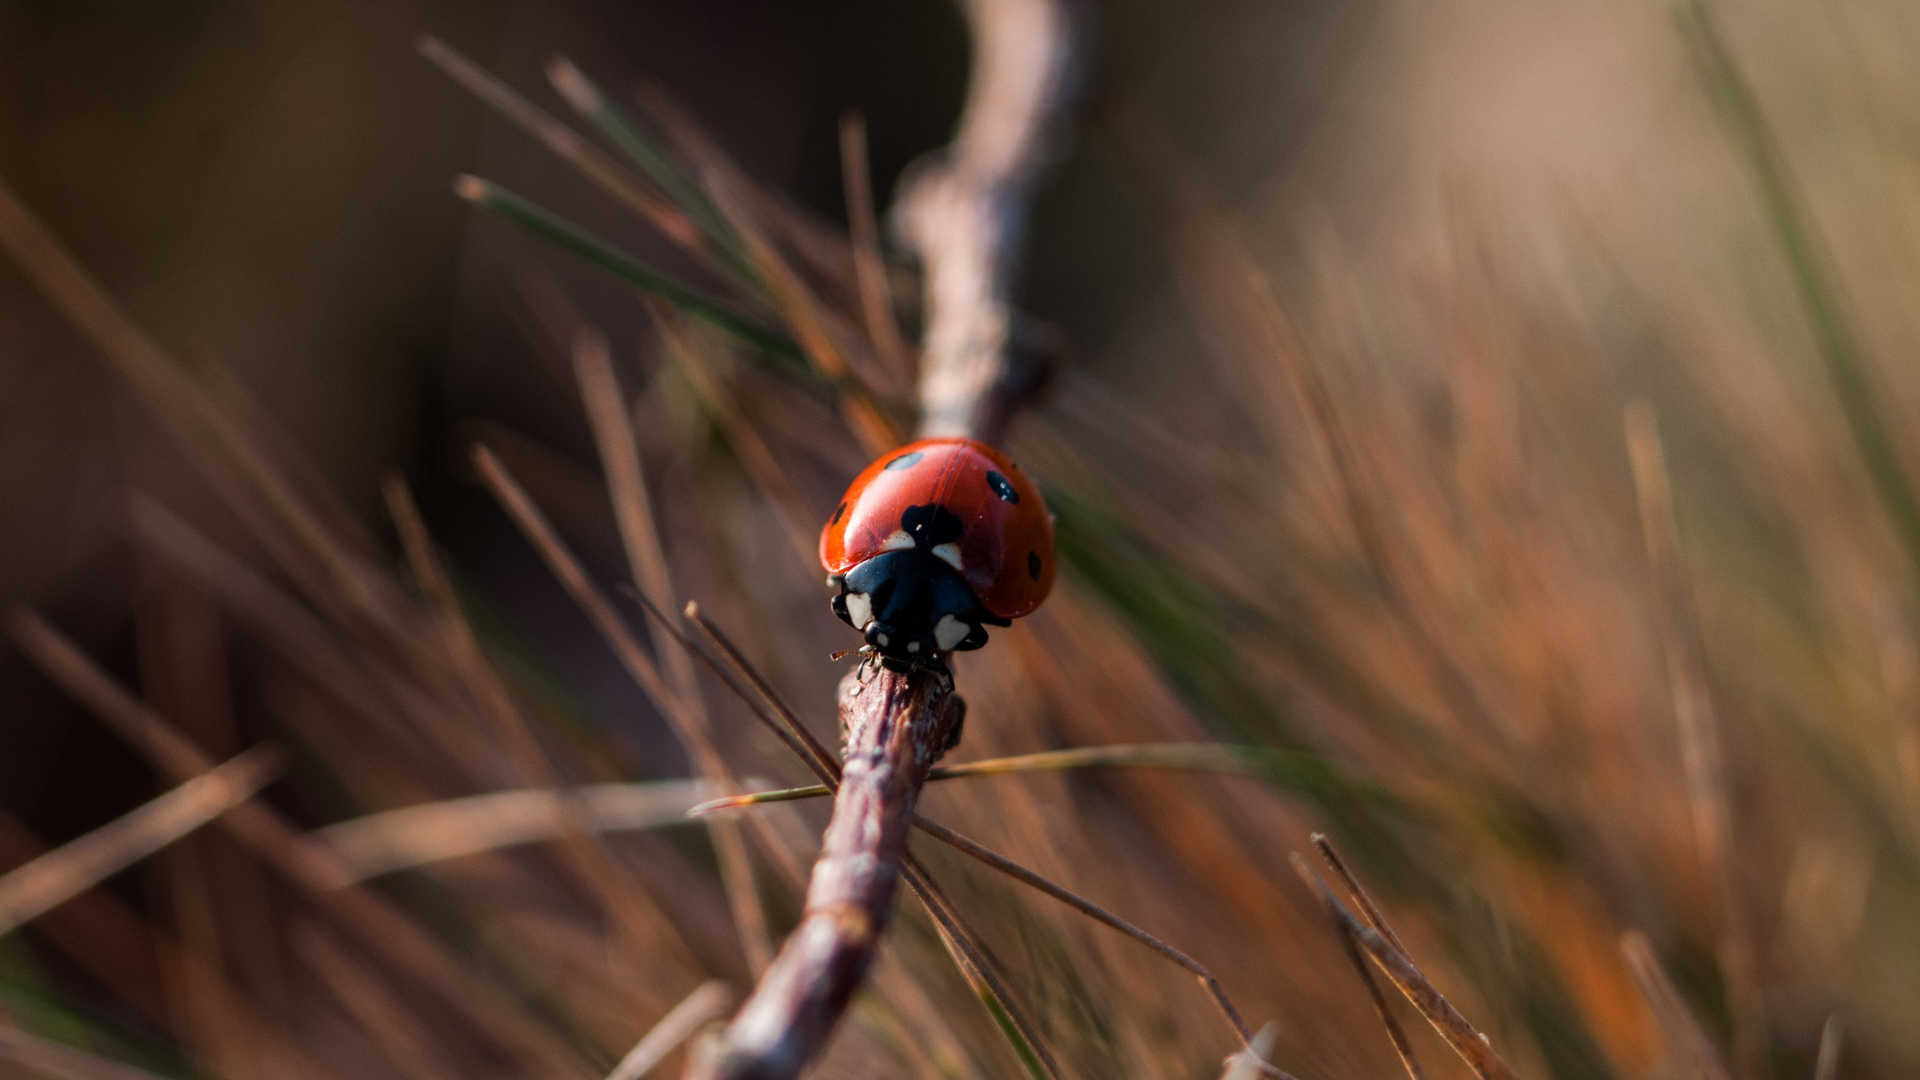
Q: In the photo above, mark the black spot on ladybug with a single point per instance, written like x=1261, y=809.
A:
x=1033, y=565
x=905, y=461
x=931, y=525
x=837, y=513
x=1001, y=487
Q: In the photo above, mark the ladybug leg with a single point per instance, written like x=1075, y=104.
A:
x=976, y=637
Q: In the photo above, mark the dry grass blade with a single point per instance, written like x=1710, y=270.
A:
x=1466, y=1041
x=812, y=751
x=233, y=460
x=1693, y=1052
x=708, y=1002
x=803, y=313
x=394, y=1026
x=1700, y=741
x=982, y=973
x=756, y=457
x=640, y=536
x=414, y=836
x=1402, y=1048
x=52, y=1059
x=869, y=268
x=561, y=561
x=363, y=681
x=1826, y=1065
x=277, y=843
x=976, y=850
x=1199, y=757
x=1375, y=917
x=79, y=865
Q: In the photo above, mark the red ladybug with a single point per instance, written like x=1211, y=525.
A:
x=932, y=544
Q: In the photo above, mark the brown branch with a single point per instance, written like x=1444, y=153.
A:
x=897, y=725
x=964, y=218
x=961, y=943
x=964, y=213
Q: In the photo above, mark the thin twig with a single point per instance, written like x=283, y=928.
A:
x=895, y=730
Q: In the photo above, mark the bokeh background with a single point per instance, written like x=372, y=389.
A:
x=1500, y=415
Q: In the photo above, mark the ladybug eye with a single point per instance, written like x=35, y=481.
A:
x=1000, y=486
x=905, y=461
x=1033, y=565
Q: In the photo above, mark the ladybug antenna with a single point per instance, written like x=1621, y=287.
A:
x=842, y=654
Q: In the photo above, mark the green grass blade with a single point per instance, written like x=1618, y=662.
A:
x=558, y=230
x=1786, y=214
x=619, y=129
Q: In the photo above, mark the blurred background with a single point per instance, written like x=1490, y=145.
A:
x=1498, y=416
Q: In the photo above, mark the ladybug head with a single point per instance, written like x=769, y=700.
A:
x=910, y=601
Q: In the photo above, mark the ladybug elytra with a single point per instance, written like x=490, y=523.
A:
x=933, y=543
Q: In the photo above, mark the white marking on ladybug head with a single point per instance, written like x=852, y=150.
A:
x=913, y=646
x=899, y=541
x=880, y=640
x=949, y=632
x=949, y=553
x=859, y=609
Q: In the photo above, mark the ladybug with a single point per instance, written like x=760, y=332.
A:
x=933, y=543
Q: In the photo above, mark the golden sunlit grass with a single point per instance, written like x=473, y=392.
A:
x=1585, y=630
